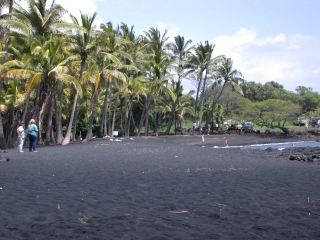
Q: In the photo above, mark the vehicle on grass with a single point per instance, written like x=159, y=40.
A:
x=314, y=121
x=180, y=130
x=233, y=126
x=196, y=129
x=247, y=127
x=300, y=122
x=203, y=129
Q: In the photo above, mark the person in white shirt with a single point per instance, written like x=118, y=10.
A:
x=21, y=135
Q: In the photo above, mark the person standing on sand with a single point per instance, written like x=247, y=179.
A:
x=21, y=135
x=226, y=142
x=33, y=135
x=202, y=140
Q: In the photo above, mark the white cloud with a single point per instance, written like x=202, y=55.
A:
x=73, y=7
x=172, y=31
x=86, y=6
x=289, y=60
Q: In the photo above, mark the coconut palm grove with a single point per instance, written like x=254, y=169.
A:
x=81, y=81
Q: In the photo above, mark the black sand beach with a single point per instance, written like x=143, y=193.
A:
x=158, y=188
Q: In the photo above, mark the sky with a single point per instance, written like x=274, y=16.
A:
x=267, y=40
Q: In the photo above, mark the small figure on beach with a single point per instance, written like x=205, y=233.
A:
x=202, y=140
x=33, y=135
x=21, y=135
x=226, y=142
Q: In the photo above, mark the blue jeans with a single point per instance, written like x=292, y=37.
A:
x=32, y=143
x=21, y=141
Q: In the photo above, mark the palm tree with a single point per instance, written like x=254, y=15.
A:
x=158, y=64
x=39, y=21
x=133, y=90
x=228, y=76
x=43, y=66
x=13, y=98
x=82, y=44
x=181, y=54
x=93, y=77
x=114, y=71
x=203, y=63
x=175, y=104
x=4, y=33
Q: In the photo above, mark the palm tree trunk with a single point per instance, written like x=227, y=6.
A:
x=146, y=123
x=66, y=139
x=103, y=126
x=75, y=119
x=59, y=118
x=169, y=124
x=36, y=106
x=12, y=124
x=126, y=115
x=25, y=110
x=3, y=143
x=132, y=119
x=114, y=115
x=144, y=114
x=202, y=100
x=92, y=108
x=49, y=118
x=42, y=116
x=141, y=120
x=110, y=112
x=129, y=121
x=215, y=103
x=155, y=123
x=196, y=104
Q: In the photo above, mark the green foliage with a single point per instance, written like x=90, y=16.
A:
x=305, y=96
x=269, y=113
x=309, y=101
x=261, y=92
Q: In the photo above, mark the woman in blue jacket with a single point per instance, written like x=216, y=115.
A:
x=33, y=136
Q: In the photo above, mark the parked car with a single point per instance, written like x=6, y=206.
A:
x=203, y=128
x=180, y=129
x=247, y=126
x=300, y=122
x=314, y=121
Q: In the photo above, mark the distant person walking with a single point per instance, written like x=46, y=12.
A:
x=202, y=140
x=307, y=124
x=21, y=135
x=33, y=135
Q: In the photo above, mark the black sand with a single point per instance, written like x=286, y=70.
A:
x=158, y=188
